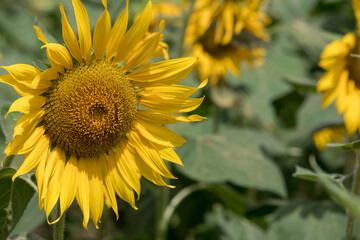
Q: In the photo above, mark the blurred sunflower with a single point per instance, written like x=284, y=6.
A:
x=227, y=18
x=81, y=127
x=215, y=60
x=333, y=134
x=223, y=33
x=341, y=81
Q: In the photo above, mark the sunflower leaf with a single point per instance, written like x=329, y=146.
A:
x=234, y=155
x=346, y=146
x=307, y=174
x=307, y=219
x=224, y=224
x=15, y=197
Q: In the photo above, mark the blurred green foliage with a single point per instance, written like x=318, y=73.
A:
x=259, y=128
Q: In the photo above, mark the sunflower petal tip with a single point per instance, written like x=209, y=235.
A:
x=104, y=2
x=161, y=25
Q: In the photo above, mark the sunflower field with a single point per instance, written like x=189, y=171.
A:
x=180, y=119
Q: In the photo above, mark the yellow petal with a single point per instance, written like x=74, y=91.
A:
x=127, y=166
x=40, y=35
x=170, y=105
x=96, y=197
x=228, y=20
x=28, y=121
x=174, y=90
x=161, y=118
x=149, y=155
x=103, y=158
x=158, y=134
x=170, y=155
x=24, y=143
x=102, y=33
x=58, y=157
x=22, y=88
x=143, y=51
x=40, y=171
x=134, y=35
x=83, y=192
x=59, y=55
x=117, y=32
x=147, y=171
x=69, y=36
x=169, y=71
x=83, y=26
x=68, y=185
x=43, y=80
x=356, y=7
x=32, y=159
x=27, y=104
x=122, y=189
x=334, y=134
x=22, y=73
x=50, y=169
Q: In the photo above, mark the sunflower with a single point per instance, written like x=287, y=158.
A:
x=92, y=123
x=341, y=81
x=228, y=18
x=215, y=60
x=223, y=34
x=333, y=134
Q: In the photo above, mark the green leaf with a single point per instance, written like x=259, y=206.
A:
x=302, y=84
x=346, y=146
x=234, y=155
x=307, y=174
x=232, y=226
x=15, y=196
x=266, y=83
x=340, y=195
x=311, y=117
x=288, y=10
x=307, y=220
x=230, y=198
x=32, y=218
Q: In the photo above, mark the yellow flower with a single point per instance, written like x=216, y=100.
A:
x=341, y=81
x=334, y=134
x=216, y=33
x=216, y=60
x=167, y=10
x=82, y=130
x=228, y=18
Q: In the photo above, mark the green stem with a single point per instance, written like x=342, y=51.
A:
x=355, y=190
x=162, y=201
x=59, y=227
x=175, y=201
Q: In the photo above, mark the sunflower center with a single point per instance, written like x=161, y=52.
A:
x=89, y=109
x=354, y=64
x=214, y=49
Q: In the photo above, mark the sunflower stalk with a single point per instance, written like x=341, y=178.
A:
x=355, y=188
x=174, y=203
x=59, y=227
